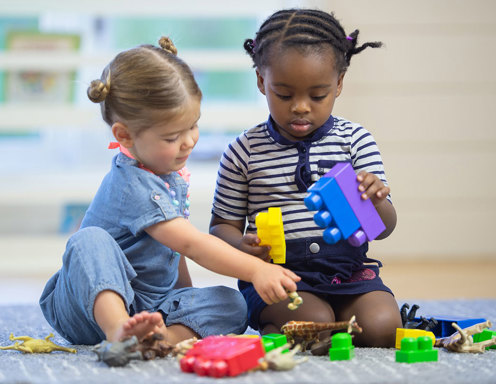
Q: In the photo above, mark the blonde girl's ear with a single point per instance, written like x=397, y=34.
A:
x=122, y=134
x=260, y=82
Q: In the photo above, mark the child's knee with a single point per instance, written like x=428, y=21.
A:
x=380, y=331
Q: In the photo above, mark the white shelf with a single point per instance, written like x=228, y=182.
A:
x=58, y=61
x=218, y=117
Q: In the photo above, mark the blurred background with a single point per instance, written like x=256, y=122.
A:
x=427, y=96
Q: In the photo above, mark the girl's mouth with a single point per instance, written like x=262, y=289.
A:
x=300, y=125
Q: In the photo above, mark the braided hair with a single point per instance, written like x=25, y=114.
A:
x=304, y=29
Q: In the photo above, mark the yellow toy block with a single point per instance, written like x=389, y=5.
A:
x=270, y=230
x=401, y=333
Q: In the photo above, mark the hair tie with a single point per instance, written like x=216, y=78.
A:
x=349, y=38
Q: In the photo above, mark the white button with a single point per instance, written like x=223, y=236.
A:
x=314, y=248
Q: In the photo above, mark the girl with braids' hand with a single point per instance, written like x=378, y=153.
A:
x=300, y=58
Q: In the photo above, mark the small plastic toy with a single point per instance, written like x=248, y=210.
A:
x=417, y=350
x=119, y=353
x=270, y=230
x=409, y=321
x=462, y=341
x=296, y=300
x=444, y=326
x=30, y=345
x=401, y=333
x=341, y=347
x=219, y=356
x=486, y=334
x=308, y=331
x=280, y=359
x=273, y=340
x=341, y=209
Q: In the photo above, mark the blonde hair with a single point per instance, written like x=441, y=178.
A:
x=141, y=81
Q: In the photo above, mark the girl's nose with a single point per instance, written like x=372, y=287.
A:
x=189, y=141
x=300, y=107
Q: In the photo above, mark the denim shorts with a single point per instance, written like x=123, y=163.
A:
x=94, y=262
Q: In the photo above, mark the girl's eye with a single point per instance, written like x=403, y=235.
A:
x=171, y=140
x=318, y=98
x=283, y=97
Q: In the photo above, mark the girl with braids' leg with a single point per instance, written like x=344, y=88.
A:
x=300, y=58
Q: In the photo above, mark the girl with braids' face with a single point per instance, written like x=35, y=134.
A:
x=300, y=90
x=301, y=57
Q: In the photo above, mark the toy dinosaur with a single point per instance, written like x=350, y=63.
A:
x=279, y=361
x=119, y=353
x=30, y=345
x=308, y=331
x=462, y=341
x=408, y=319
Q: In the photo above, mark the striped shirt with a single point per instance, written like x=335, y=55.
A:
x=262, y=169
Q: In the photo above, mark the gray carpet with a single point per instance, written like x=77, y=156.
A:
x=370, y=365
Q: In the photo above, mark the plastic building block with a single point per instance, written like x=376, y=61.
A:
x=334, y=212
x=341, y=347
x=270, y=230
x=417, y=350
x=219, y=356
x=364, y=210
x=444, y=327
x=401, y=333
x=274, y=340
x=486, y=334
x=341, y=208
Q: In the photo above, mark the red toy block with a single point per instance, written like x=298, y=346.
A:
x=219, y=356
x=364, y=210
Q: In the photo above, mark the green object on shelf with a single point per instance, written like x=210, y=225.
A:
x=341, y=347
x=417, y=350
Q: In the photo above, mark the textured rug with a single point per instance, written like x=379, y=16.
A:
x=370, y=365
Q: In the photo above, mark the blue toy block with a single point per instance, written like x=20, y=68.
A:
x=444, y=327
x=364, y=210
x=326, y=197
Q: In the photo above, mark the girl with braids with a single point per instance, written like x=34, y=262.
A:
x=124, y=271
x=300, y=58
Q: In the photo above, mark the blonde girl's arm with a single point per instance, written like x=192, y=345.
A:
x=184, y=279
x=271, y=281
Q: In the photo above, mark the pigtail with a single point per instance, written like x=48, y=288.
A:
x=249, y=46
x=167, y=45
x=98, y=90
x=352, y=39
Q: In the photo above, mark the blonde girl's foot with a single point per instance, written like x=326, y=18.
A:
x=140, y=325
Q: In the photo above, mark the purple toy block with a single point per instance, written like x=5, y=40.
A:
x=364, y=210
x=334, y=212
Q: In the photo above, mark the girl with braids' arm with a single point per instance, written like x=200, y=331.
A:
x=300, y=58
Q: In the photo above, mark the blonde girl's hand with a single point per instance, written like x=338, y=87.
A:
x=250, y=243
x=372, y=187
x=272, y=282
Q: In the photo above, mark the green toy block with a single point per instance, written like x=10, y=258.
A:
x=486, y=334
x=341, y=347
x=417, y=350
x=274, y=340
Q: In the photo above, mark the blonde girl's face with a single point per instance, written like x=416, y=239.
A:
x=165, y=146
x=300, y=90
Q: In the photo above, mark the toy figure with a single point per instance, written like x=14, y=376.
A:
x=30, y=345
x=462, y=341
x=408, y=319
x=154, y=346
x=118, y=354
x=309, y=331
x=296, y=300
x=279, y=361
